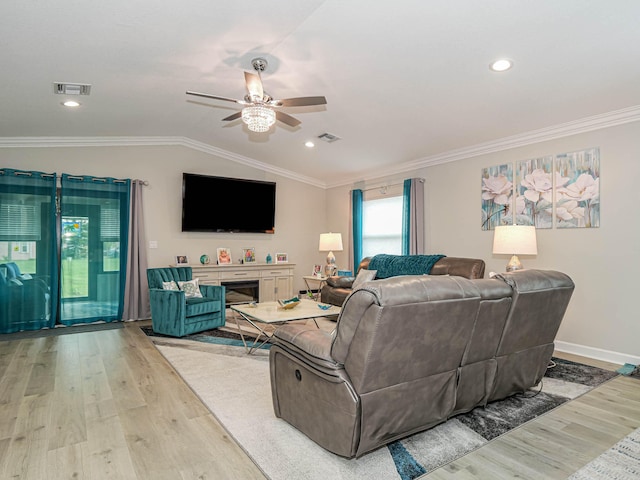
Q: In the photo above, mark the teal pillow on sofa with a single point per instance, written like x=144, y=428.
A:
x=394, y=265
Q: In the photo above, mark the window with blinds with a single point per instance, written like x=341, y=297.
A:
x=19, y=222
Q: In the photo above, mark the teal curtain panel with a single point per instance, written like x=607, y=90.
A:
x=28, y=259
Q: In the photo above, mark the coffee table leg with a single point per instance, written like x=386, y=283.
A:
x=256, y=344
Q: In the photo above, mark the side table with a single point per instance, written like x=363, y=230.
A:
x=320, y=282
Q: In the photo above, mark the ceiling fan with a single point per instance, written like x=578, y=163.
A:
x=261, y=110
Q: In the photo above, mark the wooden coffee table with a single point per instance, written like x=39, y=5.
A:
x=260, y=315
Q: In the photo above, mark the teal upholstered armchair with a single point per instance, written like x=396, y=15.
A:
x=176, y=314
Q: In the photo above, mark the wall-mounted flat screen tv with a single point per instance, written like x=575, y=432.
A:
x=220, y=204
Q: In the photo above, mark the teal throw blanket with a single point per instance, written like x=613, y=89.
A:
x=394, y=265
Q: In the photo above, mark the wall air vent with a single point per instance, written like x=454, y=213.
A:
x=328, y=137
x=71, y=88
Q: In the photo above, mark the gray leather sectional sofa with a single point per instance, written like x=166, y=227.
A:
x=410, y=352
x=336, y=290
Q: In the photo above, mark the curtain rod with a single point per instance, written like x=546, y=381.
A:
x=19, y=173
x=385, y=186
x=75, y=177
x=95, y=179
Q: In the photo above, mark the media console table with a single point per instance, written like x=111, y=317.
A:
x=259, y=282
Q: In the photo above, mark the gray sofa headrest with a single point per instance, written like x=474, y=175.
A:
x=420, y=288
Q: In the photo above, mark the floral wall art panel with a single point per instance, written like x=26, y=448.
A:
x=577, y=189
x=534, y=192
x=497, y=196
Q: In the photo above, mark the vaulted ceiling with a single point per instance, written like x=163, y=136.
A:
x=407, y=82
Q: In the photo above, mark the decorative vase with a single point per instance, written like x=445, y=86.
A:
x=268, y=258
x=204, y=259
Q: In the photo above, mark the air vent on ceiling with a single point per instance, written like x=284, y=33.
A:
x=328, y=137
x=71, y=88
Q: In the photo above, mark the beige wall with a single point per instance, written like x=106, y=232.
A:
x=299, y=207
x=602, y=320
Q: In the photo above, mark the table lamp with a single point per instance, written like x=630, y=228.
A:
x=515, y=240
x=328, y=243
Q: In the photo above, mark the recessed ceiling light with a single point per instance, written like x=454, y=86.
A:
x=309, y=144
x=71, y=103
x=501, y=65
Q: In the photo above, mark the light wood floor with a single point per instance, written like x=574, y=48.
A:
x=106, y=405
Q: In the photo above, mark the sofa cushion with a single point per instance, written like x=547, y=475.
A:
x=394, y=265
x=190, y=288
x=364, y=276
x=170, y=285
x=200, y=306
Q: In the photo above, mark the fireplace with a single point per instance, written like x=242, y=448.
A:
x=243, y=291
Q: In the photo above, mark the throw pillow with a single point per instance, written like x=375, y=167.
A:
x=170, y=285
x=190, y=288
x=363, y=276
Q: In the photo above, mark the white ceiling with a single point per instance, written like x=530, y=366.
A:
x=407, y=82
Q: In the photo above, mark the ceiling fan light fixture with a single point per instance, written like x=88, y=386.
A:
x=258, y=118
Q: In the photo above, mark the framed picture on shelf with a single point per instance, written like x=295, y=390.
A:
x=282, y=258
x=182, y=260
x=224, y=256
x=248, y=255
x=317, y=271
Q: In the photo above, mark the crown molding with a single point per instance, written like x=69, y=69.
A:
x=587, y=124
x=206, y=148
x=52, y=142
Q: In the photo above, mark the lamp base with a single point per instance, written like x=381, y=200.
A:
x=330, y=268
x=514, y=264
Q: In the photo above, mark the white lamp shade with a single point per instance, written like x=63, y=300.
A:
x=330, y=242
x=515, y=240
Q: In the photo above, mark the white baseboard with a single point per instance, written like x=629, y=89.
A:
x=597, y=353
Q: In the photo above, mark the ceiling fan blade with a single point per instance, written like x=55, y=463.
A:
x=215, y=97
x=287, y=119
x=235, y=116
x=300, y=101
x=254, y=86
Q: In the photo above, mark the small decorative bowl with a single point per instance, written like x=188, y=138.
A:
x=322, y=306
x=289, y=304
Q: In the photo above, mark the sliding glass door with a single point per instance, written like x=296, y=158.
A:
x=63, y=267
x=93, y=246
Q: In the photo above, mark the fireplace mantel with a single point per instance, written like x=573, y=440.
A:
x=276, y=279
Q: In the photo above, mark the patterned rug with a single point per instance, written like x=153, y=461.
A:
x=620, y=462
x=215, y=336
x=236, y=389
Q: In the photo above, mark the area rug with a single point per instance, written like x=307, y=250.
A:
x=620, y=462
x=237, y=391
x=214, y=336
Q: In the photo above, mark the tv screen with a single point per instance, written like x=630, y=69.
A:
x=219, y=204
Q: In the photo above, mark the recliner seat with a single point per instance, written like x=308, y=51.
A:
x=409, y=352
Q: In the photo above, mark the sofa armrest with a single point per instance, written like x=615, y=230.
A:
x=167, y=303
x=308, y=342
x=340, y=282
x=461, y=267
